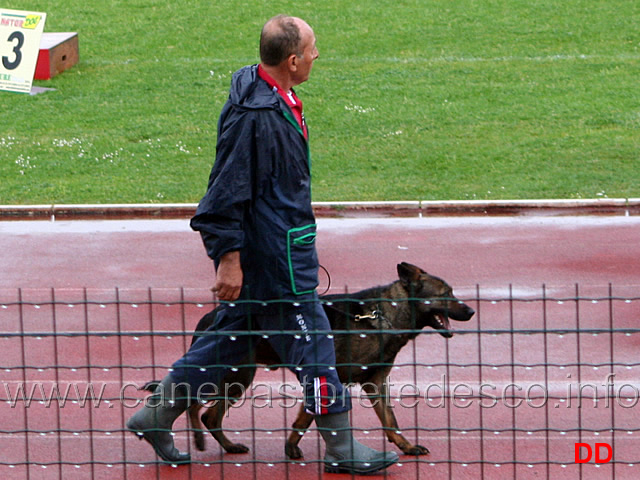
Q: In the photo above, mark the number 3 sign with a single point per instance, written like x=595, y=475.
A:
x=20, y=34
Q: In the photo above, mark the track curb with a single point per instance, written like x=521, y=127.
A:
x=605, y=206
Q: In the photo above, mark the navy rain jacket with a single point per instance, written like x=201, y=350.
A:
x=259, y=197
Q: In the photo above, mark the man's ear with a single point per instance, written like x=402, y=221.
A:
x=292, y=62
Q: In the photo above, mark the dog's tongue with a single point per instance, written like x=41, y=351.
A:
x=444, y=321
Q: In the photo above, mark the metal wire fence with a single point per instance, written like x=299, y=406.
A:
x=539, y=381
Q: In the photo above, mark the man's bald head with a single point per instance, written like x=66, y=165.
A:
x=280, y=38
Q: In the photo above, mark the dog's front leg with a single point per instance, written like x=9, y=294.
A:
x=196, y=425
x=212, y=419
x=378, y=393
x=235, y=384
x=300, y=426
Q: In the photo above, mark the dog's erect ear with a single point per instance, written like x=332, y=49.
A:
x=409, y=274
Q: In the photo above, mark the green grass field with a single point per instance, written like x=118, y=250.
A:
x=410, y=100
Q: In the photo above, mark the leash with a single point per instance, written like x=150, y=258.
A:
x=375, y=315
x=375, y=318
x=328, y=276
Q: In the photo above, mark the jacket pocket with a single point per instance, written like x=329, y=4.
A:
x=302, y=259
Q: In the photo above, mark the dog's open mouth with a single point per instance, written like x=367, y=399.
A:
x=442, y=325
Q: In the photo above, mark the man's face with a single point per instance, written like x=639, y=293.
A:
x=304, y=62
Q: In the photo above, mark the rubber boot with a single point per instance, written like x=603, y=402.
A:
x=344, y=454
x=153, y=422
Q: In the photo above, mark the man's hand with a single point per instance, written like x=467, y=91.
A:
x=229, y=277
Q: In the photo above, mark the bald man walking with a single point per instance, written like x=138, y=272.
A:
x=258, y=226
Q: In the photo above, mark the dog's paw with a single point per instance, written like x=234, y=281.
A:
x=293, y=452
x=236, y=448
x=416, y=450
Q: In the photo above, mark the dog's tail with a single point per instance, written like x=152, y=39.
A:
x=151, y=386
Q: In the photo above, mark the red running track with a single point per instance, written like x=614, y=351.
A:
x=520, y=273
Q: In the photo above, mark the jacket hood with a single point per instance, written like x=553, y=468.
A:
x=248, y=92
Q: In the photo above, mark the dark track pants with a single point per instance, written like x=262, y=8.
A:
x=300, y=336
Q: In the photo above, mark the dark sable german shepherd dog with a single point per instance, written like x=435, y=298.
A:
x=414, y=301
